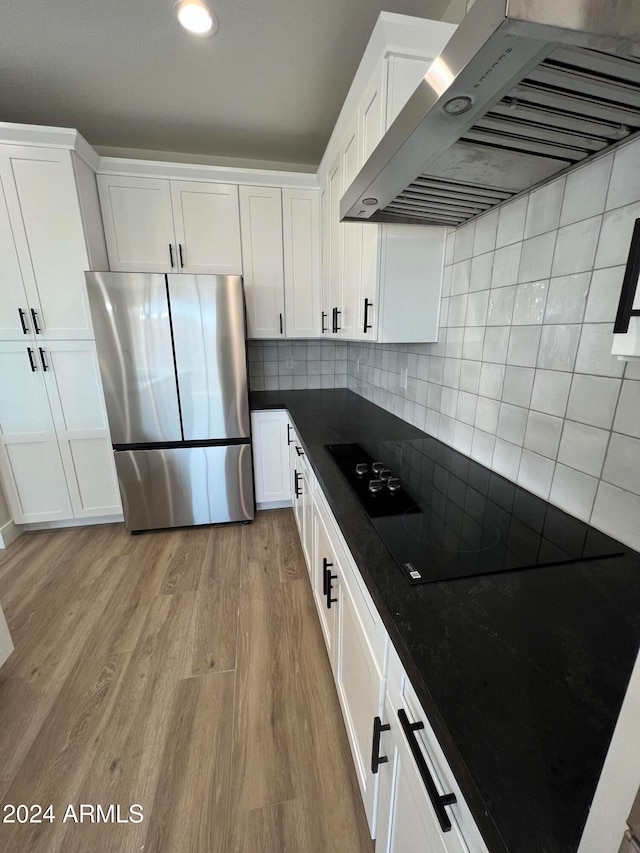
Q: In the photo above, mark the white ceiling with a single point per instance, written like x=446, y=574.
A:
x=268, y=86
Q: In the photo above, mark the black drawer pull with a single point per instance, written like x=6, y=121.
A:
x=367, y=324
x=22, y=322
x=438, y=801
x=324, y=328
x=34, y=317
x=171, y=256
x=336, y=327
x=180, y=253
x=31, y=361
x=288, y=433
x=299, y=450
x=296, y=489
x=376, y=758
x=45, y=366
x=328, y=586
x=281, y=325
x=325, y=572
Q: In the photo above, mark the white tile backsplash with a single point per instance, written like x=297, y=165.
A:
x=586, y=191
x=536, y=257
x=511, y=222
x=543, y=211
x=593, y=400
x=627, y=419
x=567, y=298
x=522, y=378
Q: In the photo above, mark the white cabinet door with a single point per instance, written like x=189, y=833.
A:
x=325, y=290
x=406, y=819
x=352, y=236
x=15, y=319
x=75, y=396
x=326, y=586
x=207, y=226
x=307, y=513
x=360, y=688
x=403, y=78
x=261, y=222
x=30, y=459
x=335, y=233
x=6, y=644
x=270, y=456
x=42, y=200
x=301, y=235
x=138, y=224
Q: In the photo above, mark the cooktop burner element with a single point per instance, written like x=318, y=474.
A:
x=443, y=516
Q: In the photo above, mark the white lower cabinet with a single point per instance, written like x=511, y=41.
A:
x=269, y=432
x=326, y=586
x=55, y=451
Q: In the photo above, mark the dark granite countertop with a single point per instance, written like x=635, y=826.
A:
x=522, y=674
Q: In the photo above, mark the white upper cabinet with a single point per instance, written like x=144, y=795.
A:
x=42, y=274
x=138, y=224
x=281, y=253
x=157, y=225
x=302, y=284
x=385, y=280
x=206, y=223
x=262, y=249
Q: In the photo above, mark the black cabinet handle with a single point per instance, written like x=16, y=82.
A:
x=22, y=322
x=376, y=758
x=288, y=433
x=336, y=327
x=31, y=361
x=45, y=366
x=34, y=317
x=299, y=450
x=324, y=328
x=438, y=801
x=281, y=326
x=296, y=477
x=171, y=256
x=629, y=285
x=367, y=325
x=180, y=254
x=327, y=586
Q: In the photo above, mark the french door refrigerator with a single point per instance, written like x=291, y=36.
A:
x=172, y=355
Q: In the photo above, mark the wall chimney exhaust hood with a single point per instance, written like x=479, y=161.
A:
x=524, y=90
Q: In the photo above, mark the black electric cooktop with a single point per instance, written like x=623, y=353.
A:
x=443, y=516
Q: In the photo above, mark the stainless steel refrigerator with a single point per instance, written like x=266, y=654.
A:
x=172, y=355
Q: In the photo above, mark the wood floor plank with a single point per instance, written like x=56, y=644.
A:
x=263, y=723
x=60, y=754
x=325, y=777
x=282, y=827
x=214, y=628
x=132, y=738
x=191, y=807
x=188, y=549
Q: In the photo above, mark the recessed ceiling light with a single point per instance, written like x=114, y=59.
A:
x=196, y=17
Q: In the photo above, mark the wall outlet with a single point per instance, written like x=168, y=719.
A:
x=403, y=377
x=288, y=362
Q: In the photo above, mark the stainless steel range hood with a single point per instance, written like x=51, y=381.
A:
x=524, y=89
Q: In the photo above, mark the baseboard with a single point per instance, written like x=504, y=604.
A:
x=8, y=532
x=273, y=505
x=72, y=522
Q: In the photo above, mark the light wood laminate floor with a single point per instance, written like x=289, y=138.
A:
x=181, y=670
